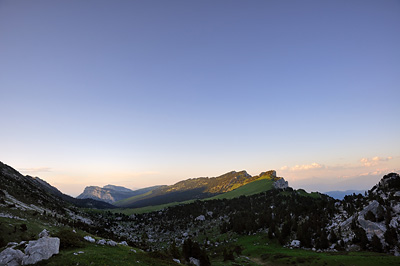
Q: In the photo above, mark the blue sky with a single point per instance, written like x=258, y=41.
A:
x=137, y=93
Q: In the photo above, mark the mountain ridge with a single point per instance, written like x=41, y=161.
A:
x=13, y=181
x=283, y=216
x=195, y=188
x=112, y=193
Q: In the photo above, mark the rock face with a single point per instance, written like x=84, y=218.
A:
x=281, y=184
x=41, y=249
x=11, y=257
x=111, y=193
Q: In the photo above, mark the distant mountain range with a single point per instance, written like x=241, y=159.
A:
x=194, y=188
x=111, y=193
x=341, y=194
x=245, y=206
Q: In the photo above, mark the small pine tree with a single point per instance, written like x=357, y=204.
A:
x=376, y=244
x=174, y=251
x=391, y=236
x=334, y=238
x=370, y=216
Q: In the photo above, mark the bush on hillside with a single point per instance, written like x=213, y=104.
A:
x=69, y=239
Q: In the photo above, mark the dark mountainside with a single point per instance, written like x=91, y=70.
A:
x=33, y=189
x=278, y=226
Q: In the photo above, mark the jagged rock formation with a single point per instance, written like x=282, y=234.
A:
x=378, y=215
x=281, y=184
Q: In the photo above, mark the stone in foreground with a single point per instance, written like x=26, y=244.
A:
x=41, y=249
x=11, y=257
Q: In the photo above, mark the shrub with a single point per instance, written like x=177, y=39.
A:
x=69, y=239
x=370, y=216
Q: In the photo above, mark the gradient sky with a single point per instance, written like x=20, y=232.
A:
x=138, y=93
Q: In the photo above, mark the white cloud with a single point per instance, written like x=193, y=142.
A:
x=307, y=167
x=374, y=161
x=34, y=170
x=303, y=167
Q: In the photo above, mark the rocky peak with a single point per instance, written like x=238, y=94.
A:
x=389, y=182
x=270, y=173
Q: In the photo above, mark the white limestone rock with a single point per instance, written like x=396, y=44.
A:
x=200, y=218
x=295, y=243
x=194, y=261
x=44, y=233
x=101, y=242
x=111, y=243
x=11, y=257
x=90, y=239
x=281, y=184
x=41, y=249
x=123, y=243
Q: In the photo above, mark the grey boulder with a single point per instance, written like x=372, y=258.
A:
x=41, y=249
x=11, y=257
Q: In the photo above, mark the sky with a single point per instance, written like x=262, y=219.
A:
x=141, y=93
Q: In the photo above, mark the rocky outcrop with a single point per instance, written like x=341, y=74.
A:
x=295, y=243
x=90, y=239
x=35, y=251
x=281, y=184
x=11, y=257
x=41, y=249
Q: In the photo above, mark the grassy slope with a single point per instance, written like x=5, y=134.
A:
x=132, y=199
x=11, y=231
x=259, y=250
x=252, y=188
x=255, y=187
x=105, y=255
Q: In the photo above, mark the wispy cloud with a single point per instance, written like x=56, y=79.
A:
x=303, y=167
x=374, y=161
x=35, y=170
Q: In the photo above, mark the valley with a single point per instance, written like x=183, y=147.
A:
x=244, y=220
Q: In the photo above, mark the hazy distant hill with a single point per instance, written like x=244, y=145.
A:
x=341, y=194
x=111, y=193
x=194, y=188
